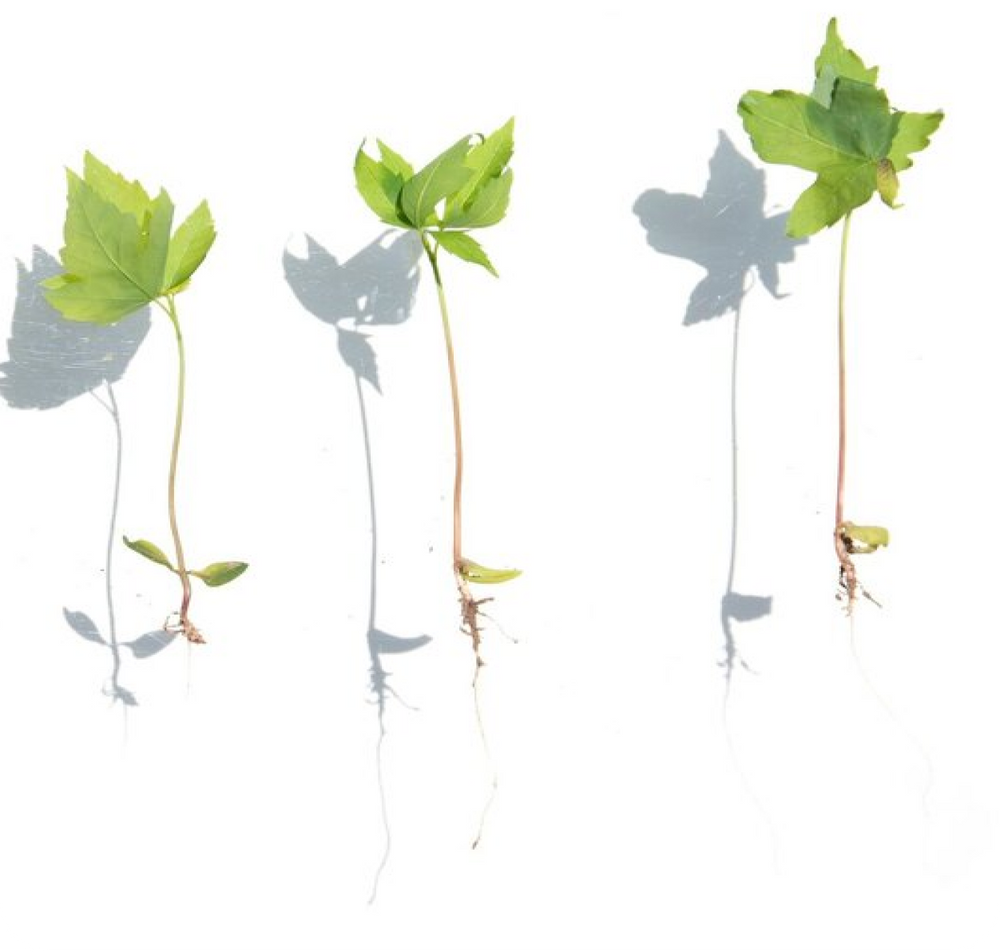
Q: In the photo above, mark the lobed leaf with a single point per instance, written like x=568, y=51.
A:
x=118, y=254
x=466, y=247
x=220, y=573
x=152, y=552
x=846, y=132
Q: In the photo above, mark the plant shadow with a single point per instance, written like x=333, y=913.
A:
x=377, y=286
x=52, y=361
x=728, y=233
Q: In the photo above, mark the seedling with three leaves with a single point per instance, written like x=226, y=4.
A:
x=847, y=133
x=120, y=256
x=466, y=187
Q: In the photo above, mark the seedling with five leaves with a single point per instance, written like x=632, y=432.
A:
x=466, y=187
x=119, y=257
x=847, y=133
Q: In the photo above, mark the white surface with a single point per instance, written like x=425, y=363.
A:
x=242, y=814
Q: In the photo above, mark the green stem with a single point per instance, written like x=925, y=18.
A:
x=456, y=411
x=842, y=371
x=182, y=572
x=848, y=574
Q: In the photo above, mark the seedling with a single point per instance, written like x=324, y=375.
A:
x=119, y=257
x=846, y=132
x=466, y=187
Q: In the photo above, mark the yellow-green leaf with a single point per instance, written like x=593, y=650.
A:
x=474, y=572
x=220, y=573
x=152, y=552
x=188, y=247
x=865, y=539
x=464, y=246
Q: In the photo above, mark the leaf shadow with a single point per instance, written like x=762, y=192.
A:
x=51, y=361
x=375, y=287
x=728, y=232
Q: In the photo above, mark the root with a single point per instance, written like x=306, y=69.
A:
x=183, y=626
x=849, y=587
x=471, y=620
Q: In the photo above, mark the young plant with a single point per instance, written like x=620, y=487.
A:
x=847, y=133
x=466, y=187
x=119, y=257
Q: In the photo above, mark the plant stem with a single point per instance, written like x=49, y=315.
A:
x=456, y=411
x=187, y=628
x=848, y=576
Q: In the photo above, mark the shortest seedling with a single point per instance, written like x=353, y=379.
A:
x=466, y=187
x=119, y=257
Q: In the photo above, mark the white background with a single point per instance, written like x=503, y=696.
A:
x=850, y=804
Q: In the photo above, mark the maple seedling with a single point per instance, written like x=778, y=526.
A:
x=466, y=187
x=119, y=257
x=847, y=133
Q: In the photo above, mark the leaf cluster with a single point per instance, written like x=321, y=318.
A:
x=466, y=187
x=844, y=130
x=119, y=253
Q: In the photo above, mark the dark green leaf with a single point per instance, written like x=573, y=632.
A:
x=152, y=552
x=219, y=573
x=847, y=134
x=466, y=247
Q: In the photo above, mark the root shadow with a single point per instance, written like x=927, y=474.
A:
x=52, y=361
x=377, y=286
x=727, y=232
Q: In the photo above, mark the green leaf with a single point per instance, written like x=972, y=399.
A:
x=118, y=255
x=846, y=133
x=836, y=61
x=488, y=160
x=466, y=247
x=110, y=260
x=487, y=206
x=864, y=539
x=126, y=196
x=220, y=573
x=379, y=187
x=913, y=134
x=394, y=162
x=152, y=552
x=188, y=247
x=439, y=179
x=473, y=572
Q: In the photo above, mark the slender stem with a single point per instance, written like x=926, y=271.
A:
x=842, y=373
x=456, y=411
x=188, y=629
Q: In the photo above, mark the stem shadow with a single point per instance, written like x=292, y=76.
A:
x=728, y=233
x=377, y=286
x=52, y=361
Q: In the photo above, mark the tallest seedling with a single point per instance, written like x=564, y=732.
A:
x=847, y=133
x=467, y=186
x=120, y=256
